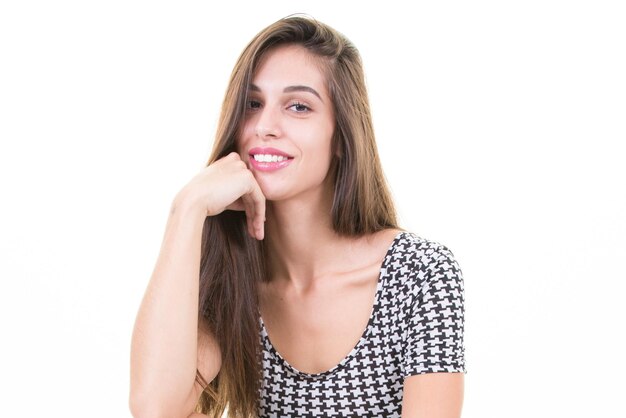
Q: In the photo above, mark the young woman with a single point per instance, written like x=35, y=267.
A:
x=284, y=287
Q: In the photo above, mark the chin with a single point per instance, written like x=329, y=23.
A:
x=275, y=196
x=282, y=189
x=272, y=193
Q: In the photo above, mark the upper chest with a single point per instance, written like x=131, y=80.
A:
x=316, y=325
x=314, y=329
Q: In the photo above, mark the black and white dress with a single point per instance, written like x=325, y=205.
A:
x=416, y=326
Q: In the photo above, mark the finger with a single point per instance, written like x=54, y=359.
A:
x=249, y=209
x=257, y=200
x=242, y=206
x=251, y=217
x=249, y=225
x=252, y=201
x=233, y=155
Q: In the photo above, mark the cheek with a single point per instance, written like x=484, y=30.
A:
x=328, y=143
x=240, y=138
x=319, y=151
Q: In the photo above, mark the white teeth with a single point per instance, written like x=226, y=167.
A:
x=268, y=158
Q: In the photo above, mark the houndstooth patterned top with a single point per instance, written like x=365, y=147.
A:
x=416, y=326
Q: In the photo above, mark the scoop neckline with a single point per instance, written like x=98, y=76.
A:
x=364, y=336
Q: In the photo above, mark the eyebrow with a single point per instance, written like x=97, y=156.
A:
x=290, y=89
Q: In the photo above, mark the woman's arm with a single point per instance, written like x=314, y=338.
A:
x=164, y=350
x=433, y=395
x=167, y=346
x=434, y=358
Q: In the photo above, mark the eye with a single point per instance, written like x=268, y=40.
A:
x=299, y=107
x=253, y=104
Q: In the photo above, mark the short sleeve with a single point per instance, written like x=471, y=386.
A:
x=434, y=337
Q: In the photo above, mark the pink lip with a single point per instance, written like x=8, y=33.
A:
x=272, y=151
x=268, y=166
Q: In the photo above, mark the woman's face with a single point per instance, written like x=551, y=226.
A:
x=286, y=135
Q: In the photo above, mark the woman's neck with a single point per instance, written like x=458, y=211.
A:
x=302, y=244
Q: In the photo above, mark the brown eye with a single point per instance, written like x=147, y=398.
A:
x=253, y=104
x=299, y=107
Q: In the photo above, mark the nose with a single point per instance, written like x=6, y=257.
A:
x=268, y=123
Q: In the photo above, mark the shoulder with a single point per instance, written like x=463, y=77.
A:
x=420, y=253
x=417, y=262
x=433, y=306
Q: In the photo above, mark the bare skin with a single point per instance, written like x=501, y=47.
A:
x=320, y=296
x=316, y=311
x=162, y=372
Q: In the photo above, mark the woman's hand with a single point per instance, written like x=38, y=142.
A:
x=227, y=184
x=169, y=308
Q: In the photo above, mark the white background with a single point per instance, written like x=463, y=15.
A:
x=500, y=125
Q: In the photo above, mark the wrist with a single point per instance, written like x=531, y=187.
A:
x=187, y=205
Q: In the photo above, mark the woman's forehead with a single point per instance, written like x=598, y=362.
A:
x=290, y=65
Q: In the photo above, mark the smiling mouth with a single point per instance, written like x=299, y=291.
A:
x=270, y=158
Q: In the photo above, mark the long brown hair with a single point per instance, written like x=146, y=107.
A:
x=233, y=263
